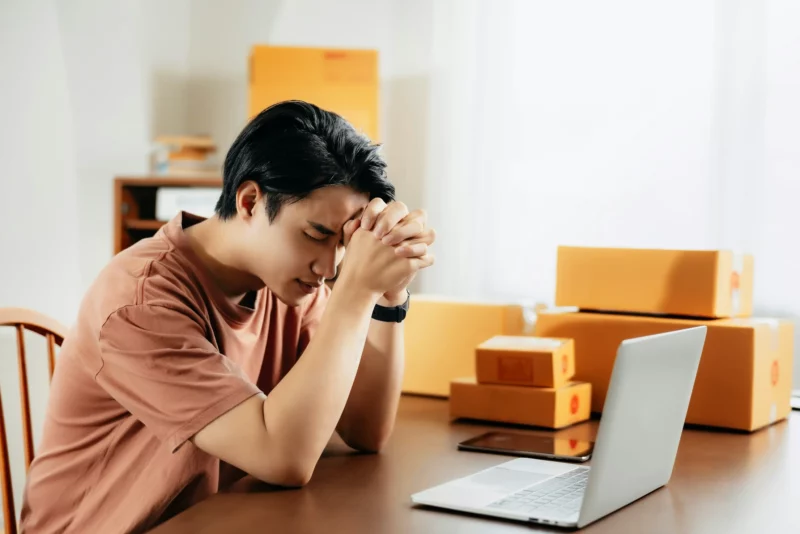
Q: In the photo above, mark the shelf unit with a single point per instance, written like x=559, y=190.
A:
x=135, y=204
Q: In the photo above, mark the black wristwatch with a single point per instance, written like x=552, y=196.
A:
x=392, y=314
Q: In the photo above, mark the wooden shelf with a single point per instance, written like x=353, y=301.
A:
x=135, y=204
x=169, y=181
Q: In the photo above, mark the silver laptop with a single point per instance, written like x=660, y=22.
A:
x=634, y=454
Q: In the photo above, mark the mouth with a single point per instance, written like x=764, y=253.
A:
x=306, y=287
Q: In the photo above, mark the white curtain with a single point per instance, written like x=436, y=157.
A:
x=617, y=123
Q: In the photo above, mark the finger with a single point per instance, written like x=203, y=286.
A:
x=425, y=239
x=412, y=250
x=388, y=219
x=419, y=214
x=425, y=261
x=370, y=215
x=404, y=231
x=349, y=229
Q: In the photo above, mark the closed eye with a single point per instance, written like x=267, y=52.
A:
x=317, y=239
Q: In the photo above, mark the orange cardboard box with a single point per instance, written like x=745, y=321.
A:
x=745, y=376
x=339, y=80
x=441, y=335
x=525, y=361
x=546, y=407
x=697, y=283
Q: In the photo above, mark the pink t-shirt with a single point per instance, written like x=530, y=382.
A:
x=156, y=354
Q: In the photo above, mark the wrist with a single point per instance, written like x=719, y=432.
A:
x=394, y=298
x=356, y=293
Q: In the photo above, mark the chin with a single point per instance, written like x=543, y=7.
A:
x=291, y=295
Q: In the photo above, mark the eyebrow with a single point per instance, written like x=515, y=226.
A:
x=324, y=230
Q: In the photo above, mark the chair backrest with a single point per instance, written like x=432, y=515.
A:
x=54, y=332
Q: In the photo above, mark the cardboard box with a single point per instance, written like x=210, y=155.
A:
x=339, y=80
x=525, y=361
x=546, y=407
x=441, y=335
x=745, y=374
x=709, y=284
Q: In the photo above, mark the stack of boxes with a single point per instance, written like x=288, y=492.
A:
x=745, y=373
x=604, y=296
x=523, y=380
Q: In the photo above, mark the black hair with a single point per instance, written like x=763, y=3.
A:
x=292, y=148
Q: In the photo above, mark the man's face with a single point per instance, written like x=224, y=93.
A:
x=295, y=253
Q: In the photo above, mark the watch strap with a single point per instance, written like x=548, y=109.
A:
x=391, y=314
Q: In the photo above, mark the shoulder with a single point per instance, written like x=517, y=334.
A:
x=151, y=273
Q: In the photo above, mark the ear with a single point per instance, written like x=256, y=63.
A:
x=247, y=199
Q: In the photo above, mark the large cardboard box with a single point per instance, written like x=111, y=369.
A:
x=525, y=361
x=698, y=283
x=339, y=80
x=745, y=374
x=546, y=407
x=441, y=335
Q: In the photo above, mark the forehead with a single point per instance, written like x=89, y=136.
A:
x=332, y=206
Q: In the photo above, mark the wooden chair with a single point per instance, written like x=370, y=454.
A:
x=54, y=332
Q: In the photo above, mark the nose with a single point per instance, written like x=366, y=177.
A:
x=326, y=264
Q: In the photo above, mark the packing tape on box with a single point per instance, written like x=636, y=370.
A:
x=528, y=319
x=531, y=313
x=775, y=342
x=736, y=281
x=772, y=323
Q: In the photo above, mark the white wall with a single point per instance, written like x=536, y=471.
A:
x=126, y=62
x=38, y=201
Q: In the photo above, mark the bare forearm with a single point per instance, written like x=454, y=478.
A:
x=369, y=415
x=306, y=405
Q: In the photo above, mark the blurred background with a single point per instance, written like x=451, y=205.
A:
x=518, y=125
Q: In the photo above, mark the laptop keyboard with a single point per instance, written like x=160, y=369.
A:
x=558, y=496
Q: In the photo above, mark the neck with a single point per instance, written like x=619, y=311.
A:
x=213, y=242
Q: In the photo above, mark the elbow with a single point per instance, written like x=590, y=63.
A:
x=296, y=478
x=372, y=445
x=371, y=442
x=288, y=475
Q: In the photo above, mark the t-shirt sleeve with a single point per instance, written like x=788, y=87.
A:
x=312, y=317
x=158, y=364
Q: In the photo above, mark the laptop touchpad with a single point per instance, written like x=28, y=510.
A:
x=506, y=480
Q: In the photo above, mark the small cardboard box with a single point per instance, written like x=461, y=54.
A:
x=525, y=361
x=745, y=376
x=441, y=335
x=344, y=81
x=545, y=407
x=696, y=283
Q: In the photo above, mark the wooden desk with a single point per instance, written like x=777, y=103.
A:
x=722, y=483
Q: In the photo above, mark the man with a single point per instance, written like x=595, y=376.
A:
x=187, y=348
